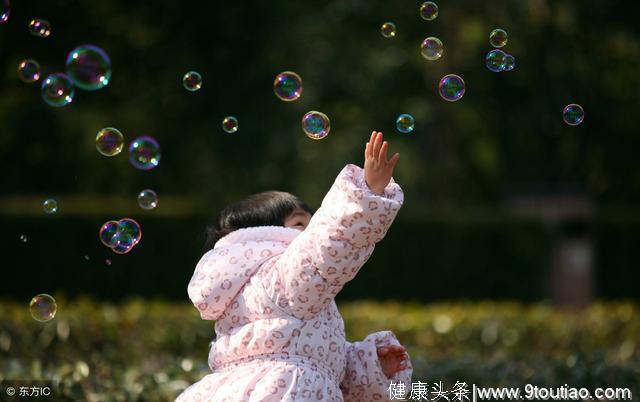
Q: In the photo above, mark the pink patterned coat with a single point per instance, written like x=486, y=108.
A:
x=271, y=291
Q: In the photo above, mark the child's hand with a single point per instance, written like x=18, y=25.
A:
x=377, y=169
x=392, y=359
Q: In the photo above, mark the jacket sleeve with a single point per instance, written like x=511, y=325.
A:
x=338, y=240
x=364, y=379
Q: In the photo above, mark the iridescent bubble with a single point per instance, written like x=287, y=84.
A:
x=144, y=153
x=316, y=125
x=109, y=141
x=388, y=29
x=29, y=70
x=89, y=67
x=429, y=10
x=50, y=206
x=5, y=11
x=130, y=227
x=230, y=124
x=107, y=230
x=192, y=81
x=40, y=27
x=57, y=90
x=451, y=87
x=498, y=38
x=405, y=123
x=147, y=199
x=573, y=114
x=287, y=86
x=495, y=60
x=431, y=48
x=509, y=62
x=121, y=243
x=43, y=307
x=23, y=238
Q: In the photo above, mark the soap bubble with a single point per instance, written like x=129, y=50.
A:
x=57, y=90
x=316, y=125
x=287, y=86
x=43, y=307
x=23, y=238
x=130, y=227
x=121, y=243
x=147, y=199
x=573, y=114
x=495, y=60
x=509, y=62
x=107, y=261
x=50, y=206
x=40, y=27
x=144, y=153
x=451, y=87
x=431, y=48
x=230, y=124
x=89, y=67
x=192, y=81
x=109, y=141
x=388, y=29
x=498, y=38
x=29, y=70
x=429, y=10
x=405, y=123
x=107, y=230
x=5, y=11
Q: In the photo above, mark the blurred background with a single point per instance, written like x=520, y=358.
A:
x=514, y=258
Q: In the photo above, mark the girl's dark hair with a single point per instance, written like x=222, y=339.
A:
x=269, y=208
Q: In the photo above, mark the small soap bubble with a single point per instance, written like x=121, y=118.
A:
x=40, y=27
x=495, y=60
x=192, y=81
x=57, y=90
x=86, y=257
x=405, y=123
x=5, y=11
x=29, y=70
x=451, y=87
x=147, y=199
x=287, y=86
x=107, y=261
x=230, y=124
x=107, y=230
x=431, y=48
x=573, y=114
x=89, y=67
x=23, y=238
x=388, y=29
x=50, y=206
x=429, y=10
x=43, y=307
x=131, y=228
x=498, y=38
x=316, y=125
x=144, y=153
x=109, y=141
x=509, y=62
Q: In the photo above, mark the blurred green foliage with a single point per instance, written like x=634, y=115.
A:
x=151, y=350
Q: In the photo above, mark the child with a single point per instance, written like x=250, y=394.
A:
x=270, y=282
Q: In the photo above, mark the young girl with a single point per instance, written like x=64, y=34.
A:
x=270, y=281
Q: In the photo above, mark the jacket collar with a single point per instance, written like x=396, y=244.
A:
x=259, y=233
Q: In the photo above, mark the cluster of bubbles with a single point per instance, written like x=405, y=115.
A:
x=144, y=153
x=573, y=114
x=43, y=307
x=29, y=71
x=405, y=123
x=120, y=236
x=192, y=81
x=50, y=206
x=109, y=141
x=497, y=60
x=316, y=125
x=230, y=124
x=40, y=27
x=147, y=199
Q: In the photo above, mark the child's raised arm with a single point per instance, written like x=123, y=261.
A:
x=355, y=214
